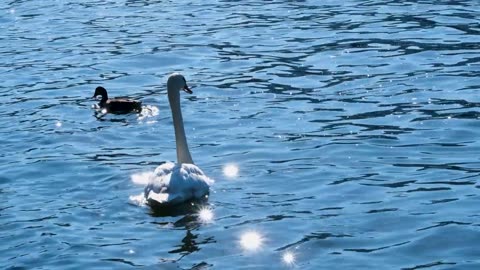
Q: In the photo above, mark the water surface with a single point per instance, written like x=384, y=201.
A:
x=354, y=126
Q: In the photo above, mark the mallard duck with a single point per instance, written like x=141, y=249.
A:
x=116, y=105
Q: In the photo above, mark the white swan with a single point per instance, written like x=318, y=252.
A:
x=171, y=183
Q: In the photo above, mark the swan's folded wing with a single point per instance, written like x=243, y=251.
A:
x=164, y=169
x=159, y=180
x=163, y=198
x=194, y=172
x=158, y=197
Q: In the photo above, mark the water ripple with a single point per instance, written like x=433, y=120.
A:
x=344, y=133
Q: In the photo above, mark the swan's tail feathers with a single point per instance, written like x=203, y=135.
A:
x=162, y=198
x=158, y=197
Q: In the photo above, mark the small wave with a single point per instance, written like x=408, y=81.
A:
x=138, y=199
x=148, y=111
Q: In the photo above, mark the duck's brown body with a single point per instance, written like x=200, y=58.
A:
x=117, y=105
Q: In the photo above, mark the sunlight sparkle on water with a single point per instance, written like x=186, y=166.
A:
x=251, y=241
x=230, y=170
x=288, y=257
x=58, y=124
x=205, y=215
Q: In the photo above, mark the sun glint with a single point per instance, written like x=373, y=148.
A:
x=205, y=215
x=251, y=241
x=230, y=170
x=288, y=257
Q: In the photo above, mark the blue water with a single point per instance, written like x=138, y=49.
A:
x=354, y=125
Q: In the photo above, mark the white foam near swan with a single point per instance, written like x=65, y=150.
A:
x=176, y=183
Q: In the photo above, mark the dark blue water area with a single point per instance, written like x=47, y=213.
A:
x=354, y=127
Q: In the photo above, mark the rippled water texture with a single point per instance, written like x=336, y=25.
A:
x=354, y=126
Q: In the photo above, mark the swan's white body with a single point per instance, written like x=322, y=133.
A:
x=177, y=183
x=173, y=184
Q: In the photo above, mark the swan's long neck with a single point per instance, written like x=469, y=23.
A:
x=183, y=154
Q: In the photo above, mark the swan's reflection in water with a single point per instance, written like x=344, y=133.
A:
x=188, y=245
x=193, y=216
x=251, y=241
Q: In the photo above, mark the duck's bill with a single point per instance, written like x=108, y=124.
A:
x=188, y=90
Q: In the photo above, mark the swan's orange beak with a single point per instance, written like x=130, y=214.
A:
x=186, y=89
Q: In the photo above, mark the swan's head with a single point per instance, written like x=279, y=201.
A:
x=177, y=82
